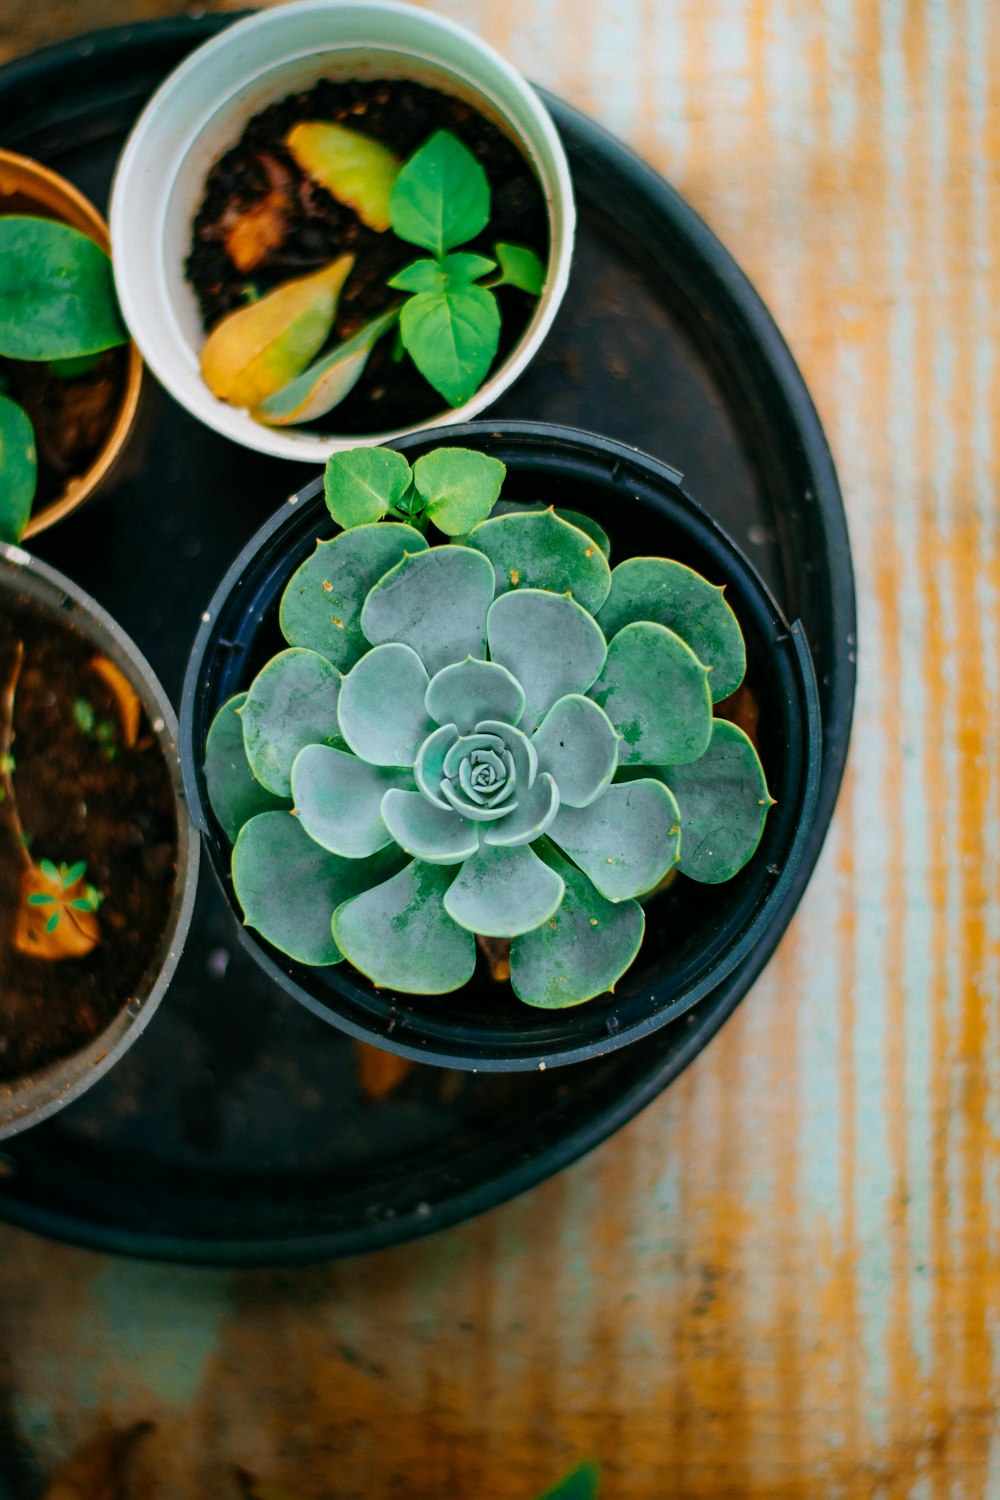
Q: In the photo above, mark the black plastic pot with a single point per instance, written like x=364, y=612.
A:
x=695, y=935
x=27, y=1100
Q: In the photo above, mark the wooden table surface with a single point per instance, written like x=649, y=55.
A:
x=782, y=1280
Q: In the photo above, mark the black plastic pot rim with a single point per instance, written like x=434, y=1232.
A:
x=27, y=1101
x=559, y=442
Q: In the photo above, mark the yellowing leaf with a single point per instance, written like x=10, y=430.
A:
x=325, y=384
x=354, y=168
x=258, y=349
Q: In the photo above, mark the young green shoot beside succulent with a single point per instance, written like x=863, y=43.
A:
x=496, y=735
x=449, y=322
x=57, y=307
x=66, y=892
x=101, y=731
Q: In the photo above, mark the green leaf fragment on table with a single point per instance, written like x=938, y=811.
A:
x=362, y=484
x=583, y=950
x=441, y=197
x=234, y=792
x=18, y=469
x=435, y=602
x=324, y=384
x=626, y=840
x=452, y=336
x=503, y=892
x=400, y=935
x=459, y=485
x=321, y=605
x=574, y=653
x=390, y=674
x=289, y=887
x=670, y=594
x=655, y=692
x=538, y=549
x=724, y=802
x=458, y=269
x=291, y=703
x=578, y=743
x=338, y=800
x=57, y=298
x=521, y=268
x=355, y=168
x=582, y=1483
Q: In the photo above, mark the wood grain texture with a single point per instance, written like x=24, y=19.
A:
x=781, y=1282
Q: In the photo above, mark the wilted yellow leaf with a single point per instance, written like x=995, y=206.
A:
x=354, y=168
x=258, y=349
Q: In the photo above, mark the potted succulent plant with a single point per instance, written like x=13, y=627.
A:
x=372, y=235
x=492, y=735
x=69, y=380
x=97, y=865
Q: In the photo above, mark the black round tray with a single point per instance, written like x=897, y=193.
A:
x=237, y=1131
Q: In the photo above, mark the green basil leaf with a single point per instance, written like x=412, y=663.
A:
x=419, y=276
x=452, y=338
x=18, y=469
x=463, y=267
x=441, y=198
x=57, y=297
x=361, y=484
x=460, y=487
x=520, y=267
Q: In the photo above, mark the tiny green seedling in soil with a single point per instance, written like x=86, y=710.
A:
x=63, y=878
x=57, y=307
x=101, y=731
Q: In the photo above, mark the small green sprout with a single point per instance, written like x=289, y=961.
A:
x=102, y=731
x=65, y=878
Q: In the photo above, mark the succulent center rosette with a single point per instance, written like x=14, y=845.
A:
x=503, y=737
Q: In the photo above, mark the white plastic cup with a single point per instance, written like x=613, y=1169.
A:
x=200, y=111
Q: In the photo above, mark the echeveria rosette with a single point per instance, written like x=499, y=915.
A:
x=502, y=737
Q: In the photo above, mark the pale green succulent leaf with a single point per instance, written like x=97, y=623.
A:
x=18, y=469
x=576, y=518
x=362, y=484
x=292, y=702
x=381, y=710
x=435, y=602
x=536, y=808
x=338, y=799
x=289, y=887
x=724, y=802
x=550, y=644
x=441, y=197
x=428, y=768
x=475, y=811
x=465, y=744
x=321, y=605
x=325, y=383
x=468, y=690
x=423, y=830
x=655, y=692
x=459, y=485
x=583, y=951
x=626, y=840
x=503, y=892
x=234, y=792
x=400, y=935
x=539, y=550
x=670, y=594
x=578, y=743
x=521, y=748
